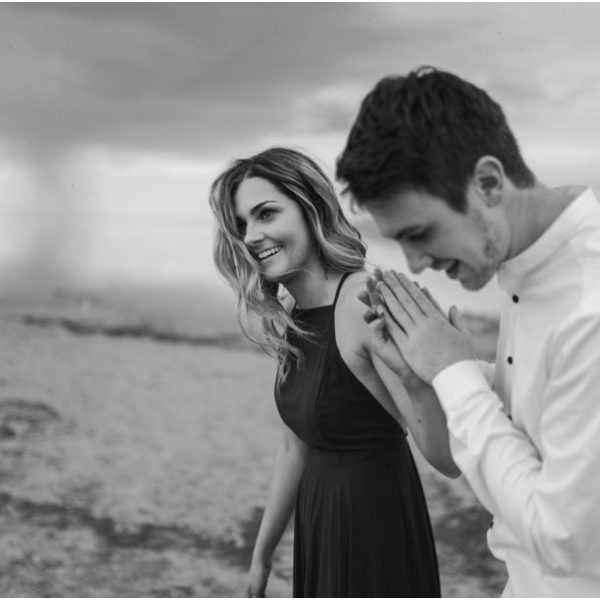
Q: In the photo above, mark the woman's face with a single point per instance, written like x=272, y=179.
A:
x=274, y=230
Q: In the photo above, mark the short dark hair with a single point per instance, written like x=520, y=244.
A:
x=426, y=132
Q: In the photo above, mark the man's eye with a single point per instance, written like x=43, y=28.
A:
x=417, y=236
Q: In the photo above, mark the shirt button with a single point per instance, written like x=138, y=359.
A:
x=515, y=298
x=509, y=360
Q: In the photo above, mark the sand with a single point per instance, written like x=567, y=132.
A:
x=136, y=450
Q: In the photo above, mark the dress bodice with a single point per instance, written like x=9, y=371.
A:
x=321, y=400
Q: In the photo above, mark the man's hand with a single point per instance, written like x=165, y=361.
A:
x=427, y=340
x=380, y=342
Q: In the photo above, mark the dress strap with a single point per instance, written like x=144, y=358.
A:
x=339, y=287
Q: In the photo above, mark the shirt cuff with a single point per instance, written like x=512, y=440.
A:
x=457, y=382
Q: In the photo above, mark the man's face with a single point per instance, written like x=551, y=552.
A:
x=468, y=246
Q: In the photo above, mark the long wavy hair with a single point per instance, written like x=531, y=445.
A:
x=261, y=315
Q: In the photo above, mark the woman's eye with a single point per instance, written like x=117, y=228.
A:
x=267, y=214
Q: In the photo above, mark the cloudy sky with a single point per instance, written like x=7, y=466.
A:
x=114, y=118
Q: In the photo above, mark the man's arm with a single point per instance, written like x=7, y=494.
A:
x=547, y=499
x=414, y=400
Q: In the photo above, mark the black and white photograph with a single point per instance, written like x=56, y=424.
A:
x=299, y=299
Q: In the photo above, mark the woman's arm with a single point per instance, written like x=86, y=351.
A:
x=289, y=467
x=398, y=390
x=423, y=416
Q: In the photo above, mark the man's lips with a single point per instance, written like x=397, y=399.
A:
x=449, y=266
x=452, y=270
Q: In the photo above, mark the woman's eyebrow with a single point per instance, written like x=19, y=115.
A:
x=256, y=208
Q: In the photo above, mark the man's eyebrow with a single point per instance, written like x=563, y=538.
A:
x=400, y=233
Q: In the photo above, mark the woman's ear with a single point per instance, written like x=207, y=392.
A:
x=488, y=180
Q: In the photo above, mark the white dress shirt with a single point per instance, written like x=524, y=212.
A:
x=529, y=444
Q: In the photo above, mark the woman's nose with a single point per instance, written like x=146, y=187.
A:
x=253, y=235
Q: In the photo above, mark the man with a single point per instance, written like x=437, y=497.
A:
x=434, y=161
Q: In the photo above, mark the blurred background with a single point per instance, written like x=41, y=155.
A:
x=128, y=404
x=115, y=118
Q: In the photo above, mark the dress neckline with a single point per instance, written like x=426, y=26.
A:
x=314, y=308
x=324, y=306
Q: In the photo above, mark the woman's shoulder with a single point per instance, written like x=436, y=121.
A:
x=355, y=283
x=349, y=306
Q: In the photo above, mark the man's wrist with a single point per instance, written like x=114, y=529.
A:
x=413, y=383
x=457, y=381
x=448, y=362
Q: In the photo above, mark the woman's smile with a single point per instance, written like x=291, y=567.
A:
x=264, y=254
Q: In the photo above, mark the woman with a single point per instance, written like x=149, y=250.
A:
x=361, y=521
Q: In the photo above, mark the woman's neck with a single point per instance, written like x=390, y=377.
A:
x=311, y=289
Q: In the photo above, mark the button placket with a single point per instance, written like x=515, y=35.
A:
x=515, y=299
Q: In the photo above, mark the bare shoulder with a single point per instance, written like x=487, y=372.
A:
x=355, y=283
x=349, y=301
x=350, y=310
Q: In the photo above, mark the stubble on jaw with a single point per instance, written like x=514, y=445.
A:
x=492, y=246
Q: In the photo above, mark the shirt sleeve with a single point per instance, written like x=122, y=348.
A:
x=488, y=369
x=550, y=498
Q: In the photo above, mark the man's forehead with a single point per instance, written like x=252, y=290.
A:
x=394, y=217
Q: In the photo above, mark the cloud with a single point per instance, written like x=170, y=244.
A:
x=177, y=75
x=210, y=79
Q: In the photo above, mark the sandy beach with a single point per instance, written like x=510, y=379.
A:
x=136, y=448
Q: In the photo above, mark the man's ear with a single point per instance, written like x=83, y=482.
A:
x=488, y=180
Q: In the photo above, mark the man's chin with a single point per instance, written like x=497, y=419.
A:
x=474, y=284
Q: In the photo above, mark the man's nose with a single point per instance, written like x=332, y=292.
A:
x=417, y=260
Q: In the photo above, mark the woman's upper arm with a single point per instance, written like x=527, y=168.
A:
x=292, y=443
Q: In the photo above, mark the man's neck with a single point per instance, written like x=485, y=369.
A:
x=532, y=211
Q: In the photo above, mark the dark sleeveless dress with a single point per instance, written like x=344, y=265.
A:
x=362, y=527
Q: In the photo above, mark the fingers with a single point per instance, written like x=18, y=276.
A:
x=369, y=316
x=458, y=321
x=407, y=299
x=414, y=300
x=398, y=301
x=372, y=292
x=393, y=329
x=377, y=325
x=433, y=301
x=364, y=298
x=398, y=286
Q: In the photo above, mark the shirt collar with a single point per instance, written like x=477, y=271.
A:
x=559, y=232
